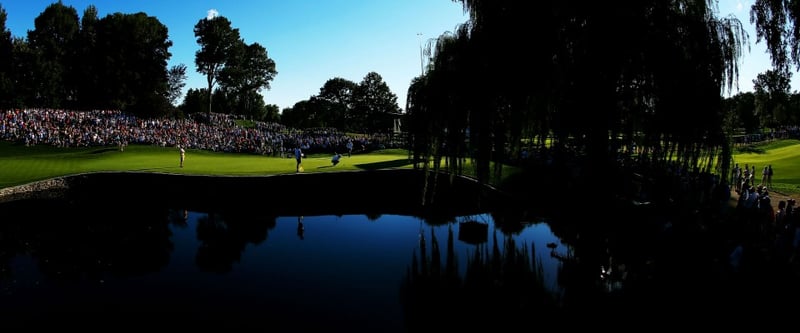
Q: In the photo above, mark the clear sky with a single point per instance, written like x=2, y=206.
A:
x=312, y=41
x=756, y=60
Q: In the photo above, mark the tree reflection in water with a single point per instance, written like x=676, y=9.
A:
x=224, y=236
x=68, y=244
x=498, y=280
x=502, y=283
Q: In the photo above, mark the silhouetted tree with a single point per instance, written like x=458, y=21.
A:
x=771, y=97
x=217, y=39
x=22, y=74
x=247, y=71
x=374, y=106
x=194, y=101
x=740, y=110
x=338, y=95
x=90, y=62
x=6, y=61
x=776, y=25
x=176, y=80
x=53, y=42
x=135, y=50
x=271, y=113
x=599, y=76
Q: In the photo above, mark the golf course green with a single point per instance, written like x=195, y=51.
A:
x=783, y=155
x=22, y=165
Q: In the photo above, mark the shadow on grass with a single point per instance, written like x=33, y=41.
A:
x=153, y=169
x=100, y=151
x=752, y=149
x=384, y=165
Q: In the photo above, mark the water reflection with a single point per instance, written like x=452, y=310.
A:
x=376, y=272
x=503, y=282
x=224, y=236
x=301, y=228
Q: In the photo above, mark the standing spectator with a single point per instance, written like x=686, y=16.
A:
x=745, y=175
x=769, y=176
x=298, y=155
x=349, y=147
x=183, y=155
x=764, y=175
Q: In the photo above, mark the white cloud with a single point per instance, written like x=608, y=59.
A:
x=739, y=6
x=212, y=13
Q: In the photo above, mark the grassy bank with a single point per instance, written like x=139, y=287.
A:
x=783, y=155
x=21, y=165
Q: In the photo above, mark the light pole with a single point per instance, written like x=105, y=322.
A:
x=421, y=67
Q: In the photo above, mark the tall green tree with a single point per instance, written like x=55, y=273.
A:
x=793, y=109
x=6, y=60
x=740, y=113
x=195, y=101
x=272, y=113
x=89, y=61
x=217, y=40
x=247, y=72
x=338, y=95
x=375, y=105
x=596, y=76
x=53, y=41
x=772, y=97
x=135, y=50
x=176, y=80
x=22, y=74
x=776, y=25
x=302, y=114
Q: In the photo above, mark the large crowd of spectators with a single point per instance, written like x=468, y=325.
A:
x=214, y=132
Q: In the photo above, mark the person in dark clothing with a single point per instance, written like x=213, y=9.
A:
x=298, y=155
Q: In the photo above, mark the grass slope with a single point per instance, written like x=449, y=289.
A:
x=21, y=165
x=784, y=155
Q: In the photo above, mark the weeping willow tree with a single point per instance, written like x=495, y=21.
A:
x=776, y=25
x=502, y=282
x=577, y=77
x=439, y=108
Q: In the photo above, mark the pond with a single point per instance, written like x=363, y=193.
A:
x=248, y=268
x=115, y=250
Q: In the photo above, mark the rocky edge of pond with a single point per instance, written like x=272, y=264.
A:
x=44, y=189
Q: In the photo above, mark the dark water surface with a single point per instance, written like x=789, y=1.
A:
x=149, y=250
x=135, y=264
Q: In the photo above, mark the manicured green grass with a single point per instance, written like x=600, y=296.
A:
x=784, y=155
x=21, y=165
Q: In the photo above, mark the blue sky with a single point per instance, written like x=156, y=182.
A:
x=312, y=41
x=756, y=60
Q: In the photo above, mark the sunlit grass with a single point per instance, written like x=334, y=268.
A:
x=21, y=165
x=783, y=155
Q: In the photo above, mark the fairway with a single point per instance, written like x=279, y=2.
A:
x=783, y=155
x=22, y=165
